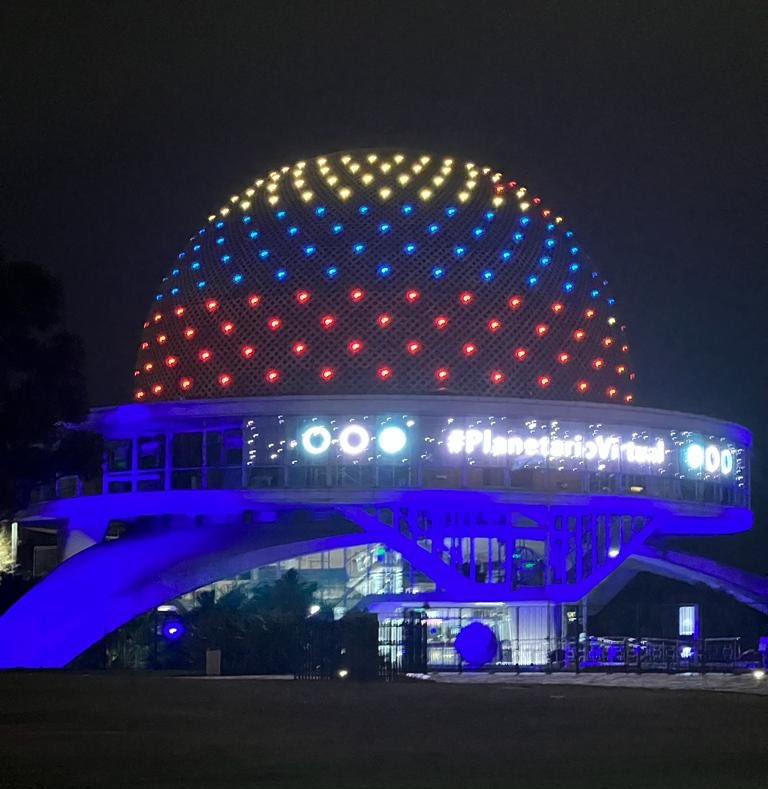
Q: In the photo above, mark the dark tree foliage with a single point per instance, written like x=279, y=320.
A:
x=258, y=633
x=42, y=386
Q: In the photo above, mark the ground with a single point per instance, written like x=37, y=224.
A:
x=129, y=730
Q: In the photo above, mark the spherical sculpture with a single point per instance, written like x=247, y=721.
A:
x=374, y=272
x=476, y=644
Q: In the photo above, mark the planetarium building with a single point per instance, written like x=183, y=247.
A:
x=400, y=374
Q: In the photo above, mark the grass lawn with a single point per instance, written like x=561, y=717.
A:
x=129, y=730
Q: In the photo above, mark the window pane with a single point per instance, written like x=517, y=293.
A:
x=187, y=450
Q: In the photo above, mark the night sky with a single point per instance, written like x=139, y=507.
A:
x=123, y=124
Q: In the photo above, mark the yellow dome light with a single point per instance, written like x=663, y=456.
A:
x=259, y=182
x=497, y=201
x=448, y=162
x=495, y=177
x=250, y=192
x=366, y=178
x=385, y=193
x=325, y=170
x=245, y=205
x=417, y=168
x=470, y=165
x=301, y=165
x=438, y=180
x=558, y=219
x=521, y=191
x=486, y=170
x=471, y=184
x=425, y=160
x=354, y=167
x=211, y=217
x=463, y=196
x=403, y=179
x=385, y=167
x=271, y=187
x=274, y=175
x=299, y=183
x=371, y=158
x=344, y=192
x=273, y=199
x=234, y=198
x=524, y=206
x=398, y=157
x=307, y=196
x=332, y=181
x=224, y=211
x=425, y=194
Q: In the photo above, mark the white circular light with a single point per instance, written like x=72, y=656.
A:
x=392, y=440
x=726, y=462
x=315, y=440
x=694, y=456
x=712, y=459
x=354, y=440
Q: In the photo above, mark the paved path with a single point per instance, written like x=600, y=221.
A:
x=729, y=683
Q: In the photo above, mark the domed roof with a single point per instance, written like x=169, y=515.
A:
x=371, y=272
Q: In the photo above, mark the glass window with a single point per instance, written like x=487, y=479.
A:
x=187, y=450
x=151, y=452
x=119, y=455
x=187, y=480
x=119, y=486
x=224, y=447
x=225, y=478
x=151, y=484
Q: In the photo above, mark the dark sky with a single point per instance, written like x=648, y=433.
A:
x=122, y=124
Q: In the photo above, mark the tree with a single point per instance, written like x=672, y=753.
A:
x=42, y=387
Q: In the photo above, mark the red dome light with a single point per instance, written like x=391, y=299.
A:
x=465, y=297
x=189, y=332
x=179, y=311
x=557, y=307
x=328, y=321
x=597, y=363
x=148, y=367
x=228, y=327
x=621, y=369
x=171, y=361
x=582, y=386
x=144, y=346
x=412, y=296
x=494, y=324
x=440, y=322
x=413, y=347
x=225, y=379
x=355, y=346
x=611, y=391
x=497, y=377
x=590, y=313
x=327, y=373
x=544, y=381
x=161, y=338
x=442, y=373
x=299, y=348
x=563, y=358
x=157, y=389
x=139, y=394
x=384, y=320
x=357, y=294
x=515, y=302
x=185, y=384
x=273, y=324
x=303, y=296
x=384, y=373
x=248, y=351
x=272, y=376
x=542, y=329
x=469, y=349
x=607, y=342
x=212, y=305
x=628, y=398
x=254, y=300
x=204, y=355
x=157, y=317
x=579, y=335
x=520, y=354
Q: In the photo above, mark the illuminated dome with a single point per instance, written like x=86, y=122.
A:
x=372, y=272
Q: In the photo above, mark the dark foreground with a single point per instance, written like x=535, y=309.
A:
x=65, y=730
